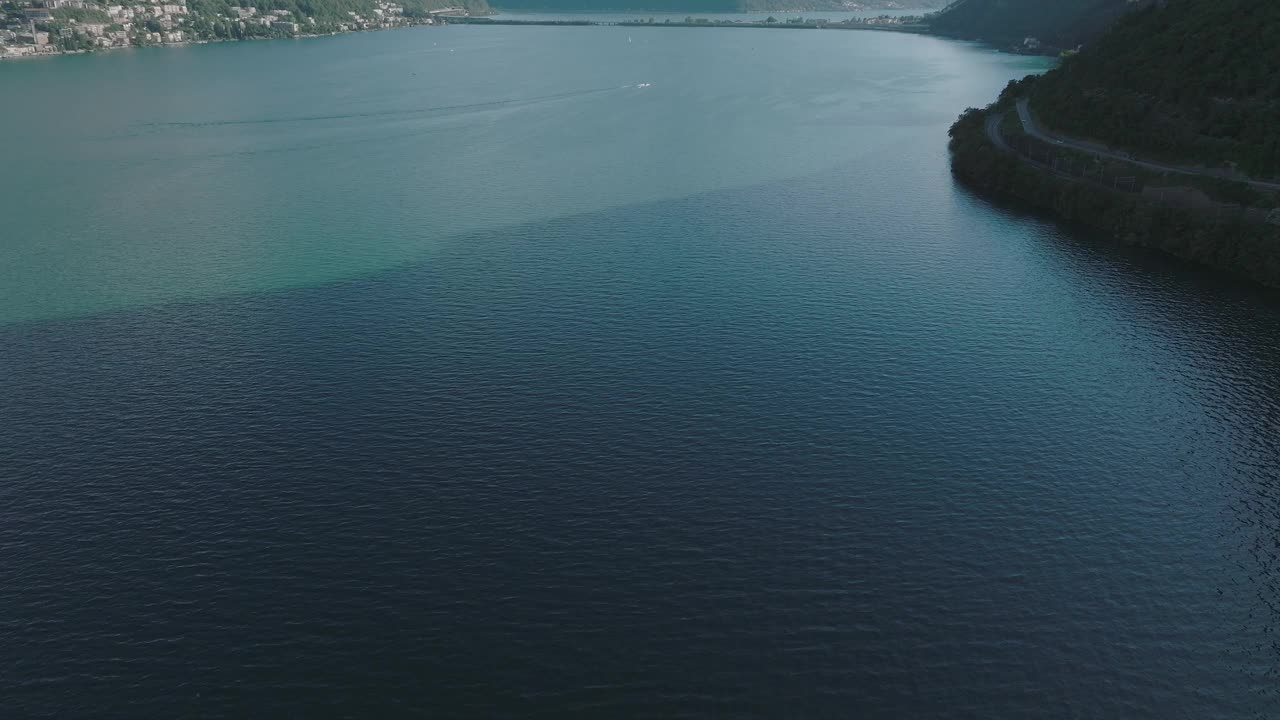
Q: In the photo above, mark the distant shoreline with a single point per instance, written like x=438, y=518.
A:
x=907, y=24
x=437, y=22
x=885, y=24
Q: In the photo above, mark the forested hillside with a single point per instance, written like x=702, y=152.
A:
x=1192, y=80
x=1060, y=24
x=1249, y=249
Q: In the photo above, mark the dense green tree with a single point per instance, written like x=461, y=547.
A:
x=89, y=14
x=1250, y=249
x=1059, y=24
x=1189, y=80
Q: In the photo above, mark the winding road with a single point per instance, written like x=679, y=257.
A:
x=1030, y=126
x=993, y=131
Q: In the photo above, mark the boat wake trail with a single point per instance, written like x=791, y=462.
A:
x=401, y=112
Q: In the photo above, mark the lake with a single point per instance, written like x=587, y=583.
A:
x=554, y=372
x=658, y=17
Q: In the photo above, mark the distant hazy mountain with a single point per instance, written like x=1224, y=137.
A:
x=1057, y=23
x=696, y=6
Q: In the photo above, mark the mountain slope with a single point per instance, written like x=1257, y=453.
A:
x=1194, y=80
x=1057, y=23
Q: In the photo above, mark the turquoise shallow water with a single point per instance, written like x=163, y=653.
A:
x=157, y=175
x=451, y=372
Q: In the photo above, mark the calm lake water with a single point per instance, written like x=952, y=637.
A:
x=498, y=372
x=832, y=15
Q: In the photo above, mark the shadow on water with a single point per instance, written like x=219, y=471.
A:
x=1230, y=329
x=504, y=436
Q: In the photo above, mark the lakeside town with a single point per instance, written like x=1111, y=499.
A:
x=30, y=28
x=51, y=27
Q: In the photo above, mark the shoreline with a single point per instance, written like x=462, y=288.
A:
x=438, y=21
x=881, y=23
x=708, y=22
x=1246, y=249
x=884, y=24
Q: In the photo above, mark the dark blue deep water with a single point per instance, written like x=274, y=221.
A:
x=716, y=399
